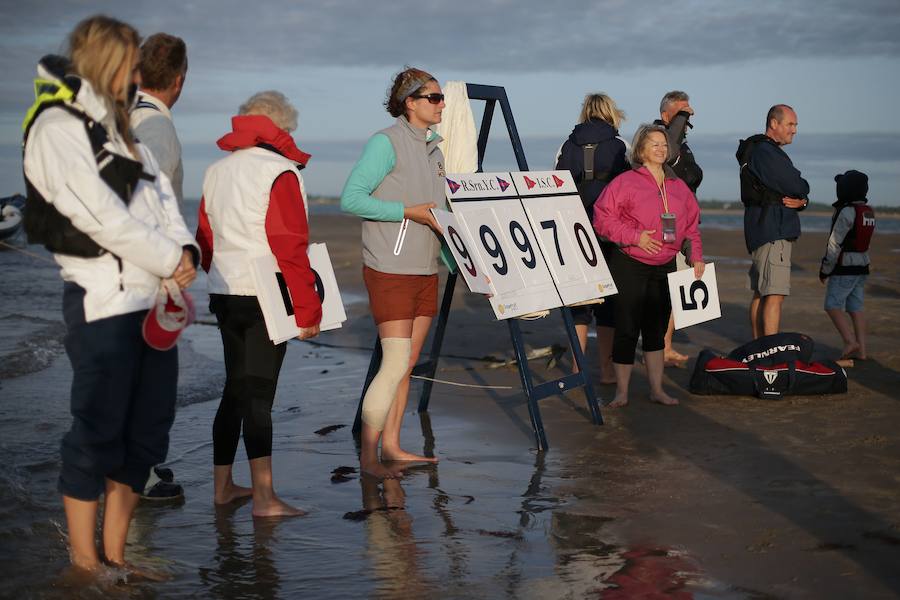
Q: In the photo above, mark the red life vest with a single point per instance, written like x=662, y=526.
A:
x=858, y=238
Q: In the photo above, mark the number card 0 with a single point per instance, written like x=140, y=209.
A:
x=694, y=300
x=275, y=298
x=565, y=234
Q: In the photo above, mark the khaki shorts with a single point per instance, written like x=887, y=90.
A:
x=770, y=273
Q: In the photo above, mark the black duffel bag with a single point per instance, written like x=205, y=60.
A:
x=769, y=367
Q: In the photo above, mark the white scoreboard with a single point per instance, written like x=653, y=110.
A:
x=524, y=238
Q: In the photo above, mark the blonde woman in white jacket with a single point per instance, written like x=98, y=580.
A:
x=99, y=202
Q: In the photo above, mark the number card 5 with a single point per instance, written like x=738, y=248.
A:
x=694, y=300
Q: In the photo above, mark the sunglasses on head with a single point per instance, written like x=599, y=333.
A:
x=433, y=98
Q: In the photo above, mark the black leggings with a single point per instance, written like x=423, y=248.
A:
x=642, y=305
x=252, y=364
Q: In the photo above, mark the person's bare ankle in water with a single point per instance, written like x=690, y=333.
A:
x=274, y=506
x=401, y=455
x=225, y=490
x=231, y=492
x=378, y=470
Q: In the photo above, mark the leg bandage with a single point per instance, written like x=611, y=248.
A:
x=381, y=392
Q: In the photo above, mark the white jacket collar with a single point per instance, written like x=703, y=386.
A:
x=144, y=96
x=93, y=104
x=87, y=99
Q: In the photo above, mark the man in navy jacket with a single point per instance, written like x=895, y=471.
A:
x=773, y=192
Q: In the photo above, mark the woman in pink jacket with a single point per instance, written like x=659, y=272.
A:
x=648, y=212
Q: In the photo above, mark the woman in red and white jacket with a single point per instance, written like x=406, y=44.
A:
x=648, y=212
x=253, y=204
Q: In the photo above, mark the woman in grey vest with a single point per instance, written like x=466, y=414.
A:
x=399, y=177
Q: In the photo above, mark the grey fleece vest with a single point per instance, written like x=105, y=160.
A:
x=417, y=177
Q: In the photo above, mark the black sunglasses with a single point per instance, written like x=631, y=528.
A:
x=433, y=98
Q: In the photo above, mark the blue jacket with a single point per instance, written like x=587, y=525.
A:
x=769, y=220
x=609, y=158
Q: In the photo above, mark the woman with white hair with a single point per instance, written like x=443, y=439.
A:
x=253, y=204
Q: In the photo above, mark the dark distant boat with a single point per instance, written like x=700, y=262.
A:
x=11, y=215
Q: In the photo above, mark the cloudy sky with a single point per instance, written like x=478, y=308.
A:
x=836, y=62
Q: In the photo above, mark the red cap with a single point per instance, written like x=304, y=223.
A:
x=173, y=311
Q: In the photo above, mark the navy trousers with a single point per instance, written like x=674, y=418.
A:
x=123, y=403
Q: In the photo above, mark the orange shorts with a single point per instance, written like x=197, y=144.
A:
x=399, y=297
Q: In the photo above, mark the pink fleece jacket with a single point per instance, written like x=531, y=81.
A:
x=632, y=203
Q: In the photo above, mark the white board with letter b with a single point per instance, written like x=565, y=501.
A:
x=275, y=298
x=694, y=300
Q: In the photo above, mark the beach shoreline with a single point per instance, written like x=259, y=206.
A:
x=744, y=498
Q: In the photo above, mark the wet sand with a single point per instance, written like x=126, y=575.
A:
x=719, y=497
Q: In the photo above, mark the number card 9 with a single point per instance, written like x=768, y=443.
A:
x=462, y=248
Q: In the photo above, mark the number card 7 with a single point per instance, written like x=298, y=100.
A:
x=694, y=300
x=564, y=232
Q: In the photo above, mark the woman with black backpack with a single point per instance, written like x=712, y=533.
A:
x=594, y=154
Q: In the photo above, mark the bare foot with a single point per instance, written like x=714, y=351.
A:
x=96, y=574
x=135, y=573
x=401, y=455
x=85, y=565
x=378, y=470
x=675, y=359
x=618, y=402
x=232, y=493
x=850, y=350
x=675, y=356
x=276, y=508
x=663, y=398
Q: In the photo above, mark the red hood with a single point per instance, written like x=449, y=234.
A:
x=249, y=130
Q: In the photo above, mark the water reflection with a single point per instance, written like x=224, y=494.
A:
x=395, y=558
x=243, y=563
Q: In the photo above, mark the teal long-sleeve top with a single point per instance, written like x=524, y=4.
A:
x=377, y=160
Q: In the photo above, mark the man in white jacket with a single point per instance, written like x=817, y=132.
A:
x=163, y=69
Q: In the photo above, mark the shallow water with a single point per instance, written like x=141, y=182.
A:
x=490, y=520
x=486, y=521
